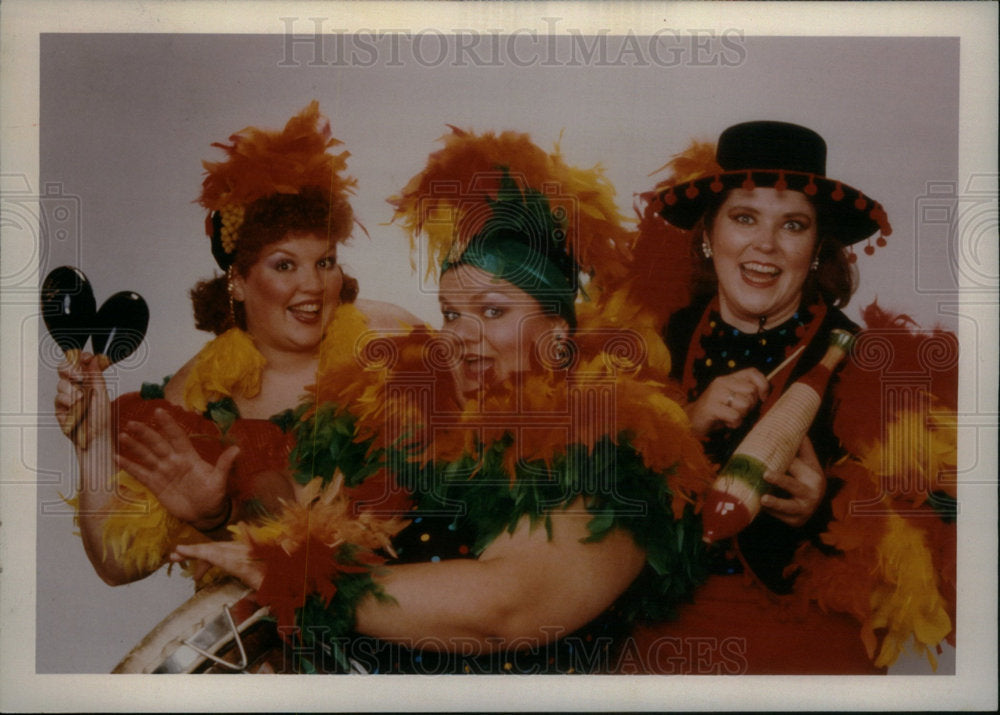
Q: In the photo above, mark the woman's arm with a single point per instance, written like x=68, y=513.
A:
x=523, y=586
x=84, y=411
x=162, y=459
x=526, y=589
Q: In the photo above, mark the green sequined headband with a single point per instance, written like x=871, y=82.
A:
x=524, y=243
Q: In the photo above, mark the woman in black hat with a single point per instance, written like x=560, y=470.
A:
x=755, y=242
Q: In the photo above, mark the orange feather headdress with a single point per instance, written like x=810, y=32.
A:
x=261, y=163
x=445, y=202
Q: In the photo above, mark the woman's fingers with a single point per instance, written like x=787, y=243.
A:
x=231, y=556
x=755, y=378
x=149, y=478
x=81, y=399
x=72, y=370
x=143, y=443
x=171, y=432
x=163, y=441
x=225, y=461
x=804, y=482
x=808, y=454
x=163, y=459
x=67, y=395
x=728, y=400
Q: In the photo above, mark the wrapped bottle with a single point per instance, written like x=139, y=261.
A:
x=734, y=499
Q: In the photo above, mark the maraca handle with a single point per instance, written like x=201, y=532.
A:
x=70, y=425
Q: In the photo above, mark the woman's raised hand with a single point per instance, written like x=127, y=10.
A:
x=805, y=482
x=82, y=405
x=162, y=457
x=727, y=401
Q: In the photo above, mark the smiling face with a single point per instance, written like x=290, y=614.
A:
x=290, y=292
x=495, y=324
x=763, y=241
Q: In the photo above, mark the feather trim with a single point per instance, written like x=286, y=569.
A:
x=659, y=276
x=138, y=531
x=910, y=440
x=312, y=543
x=893, y=525
x=398, y=392
x=344, y=356
x=445, y=201
x=228, y=365
x=916, y=456
x=261, y=163
x=907, y=601
x=695, y=162
x=886, y=573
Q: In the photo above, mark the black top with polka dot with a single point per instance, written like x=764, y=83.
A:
x=767, y=545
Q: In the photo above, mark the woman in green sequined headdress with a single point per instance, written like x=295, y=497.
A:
x=553, y=495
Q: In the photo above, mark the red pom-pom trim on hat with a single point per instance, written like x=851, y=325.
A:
x=860, y=203
x=879, y=216
x=838, y=193
x=716, y=185
x=869, y=249
x=880, y=241
x=691, y=191
x=748, y=183
x=852, y=257
x=669, y=198
x=781, y=184
x=810, y=188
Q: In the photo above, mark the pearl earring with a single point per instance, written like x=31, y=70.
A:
x=706, y=249
x=814, y=266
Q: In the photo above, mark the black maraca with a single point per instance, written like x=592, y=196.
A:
x=68, y=309
x=119, y=327
x=116, y=329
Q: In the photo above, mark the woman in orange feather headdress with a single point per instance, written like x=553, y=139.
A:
x=743, y=260
x=554, y=485
x=200, y=451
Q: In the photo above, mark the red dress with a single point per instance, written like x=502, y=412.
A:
x=258, y=478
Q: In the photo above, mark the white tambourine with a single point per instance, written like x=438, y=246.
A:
x=218, y=630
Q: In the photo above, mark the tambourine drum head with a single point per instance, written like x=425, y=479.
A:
x=200, y=633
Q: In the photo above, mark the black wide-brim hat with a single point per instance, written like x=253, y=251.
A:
x=782, y=156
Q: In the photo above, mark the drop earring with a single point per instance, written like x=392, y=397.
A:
x=230, y=289
x=705, y=248
x=561, y=351
x=814, y=266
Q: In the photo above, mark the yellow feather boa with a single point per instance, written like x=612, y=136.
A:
x=139, y=532
x=893, y=572
x=227, y=366
x=907, y=600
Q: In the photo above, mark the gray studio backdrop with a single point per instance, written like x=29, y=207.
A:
x=127, y=118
